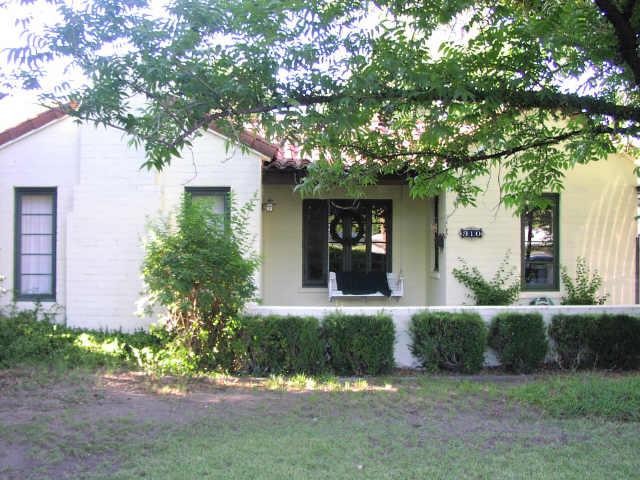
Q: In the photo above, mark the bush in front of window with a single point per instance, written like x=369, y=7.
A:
x=278, y=344
x=448, y=341
x=199, y=268
x=32, y=337
x=500, y=290
x=519, y=339
x=596, y=341
x=359, y=344
x=584, y=289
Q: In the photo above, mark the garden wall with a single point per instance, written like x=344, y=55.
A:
x=402, y=316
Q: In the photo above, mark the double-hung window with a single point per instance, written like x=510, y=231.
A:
x=35, y=244
x=540, y=242
x=345, y=236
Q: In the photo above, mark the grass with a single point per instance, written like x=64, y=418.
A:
x=95, y=425
x=71, y=408
x=584, y=395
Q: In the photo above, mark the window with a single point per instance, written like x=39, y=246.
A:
x=345, y=236
x=436, y=234
x=35, y=244
x=314, y=243
x=216, y=197
x=540, y=247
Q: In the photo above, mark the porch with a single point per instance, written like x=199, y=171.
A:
x=306, y=241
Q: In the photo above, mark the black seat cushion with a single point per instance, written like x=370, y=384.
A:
x=359, y=283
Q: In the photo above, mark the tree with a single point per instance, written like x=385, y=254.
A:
x=199, y=267
x=531, y=87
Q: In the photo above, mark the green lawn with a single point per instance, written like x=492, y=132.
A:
x=75, y=424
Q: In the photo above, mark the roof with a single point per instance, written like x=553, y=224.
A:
x=30, y=125
x=279, y=157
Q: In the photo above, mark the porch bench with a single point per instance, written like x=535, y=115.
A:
x=396, y=285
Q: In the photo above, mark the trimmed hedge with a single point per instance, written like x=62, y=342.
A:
x=448, y=341
x=570, y=333
x=519, y=340
x=277, y=344
x=359, y=344
x=596, y=341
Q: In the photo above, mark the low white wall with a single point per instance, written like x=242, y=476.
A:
x=402, y=316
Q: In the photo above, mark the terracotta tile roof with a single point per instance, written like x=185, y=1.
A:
x=287, y=164
x=287, y=158
x=280, y=157
x=30, y=125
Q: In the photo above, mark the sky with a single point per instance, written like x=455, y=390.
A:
x=19, y=105
x=22, y=105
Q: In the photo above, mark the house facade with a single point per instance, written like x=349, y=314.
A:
x=75, y=205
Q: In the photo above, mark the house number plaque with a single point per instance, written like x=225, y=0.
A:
x=471, y=232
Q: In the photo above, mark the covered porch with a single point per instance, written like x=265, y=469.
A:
x=308, y=242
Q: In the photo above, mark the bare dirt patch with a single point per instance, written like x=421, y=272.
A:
x=59, y=427
x=64, y=425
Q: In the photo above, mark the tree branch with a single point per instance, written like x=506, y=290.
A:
x=628, y=8
x=627, y=37
x=458, y=161
x=567, y=103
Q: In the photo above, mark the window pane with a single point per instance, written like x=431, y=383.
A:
x=35, y=264
x=37, y=244
x=36, y=284
x=359, y=257
x=378, y=257
x=37, y=224
x=539, y=244
x=215, y=200
x=37, y=204
x=336, y=257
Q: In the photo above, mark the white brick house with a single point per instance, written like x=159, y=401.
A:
x=74, y=205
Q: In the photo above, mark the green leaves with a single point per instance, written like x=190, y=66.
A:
x=200, y=269
x=500, y=290
x=584, y=289
x=441, y=92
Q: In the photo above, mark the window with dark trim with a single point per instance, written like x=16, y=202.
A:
x=345, y=236
x=217, y=197
x=540, y=246
x=436, y=233
x=35, y=244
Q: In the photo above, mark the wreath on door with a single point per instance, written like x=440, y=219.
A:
x=357, y=228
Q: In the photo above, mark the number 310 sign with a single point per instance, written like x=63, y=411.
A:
x=471, y=232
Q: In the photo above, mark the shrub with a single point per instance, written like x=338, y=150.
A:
x=31, y=337
x=359, y=344
x=200, y=270
x=519, y=340
x=448, y=341
x=603, y=341
x=615, y=341
x=584, y=290
x=281, y=345
x=497, y=291
x=570, y=334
